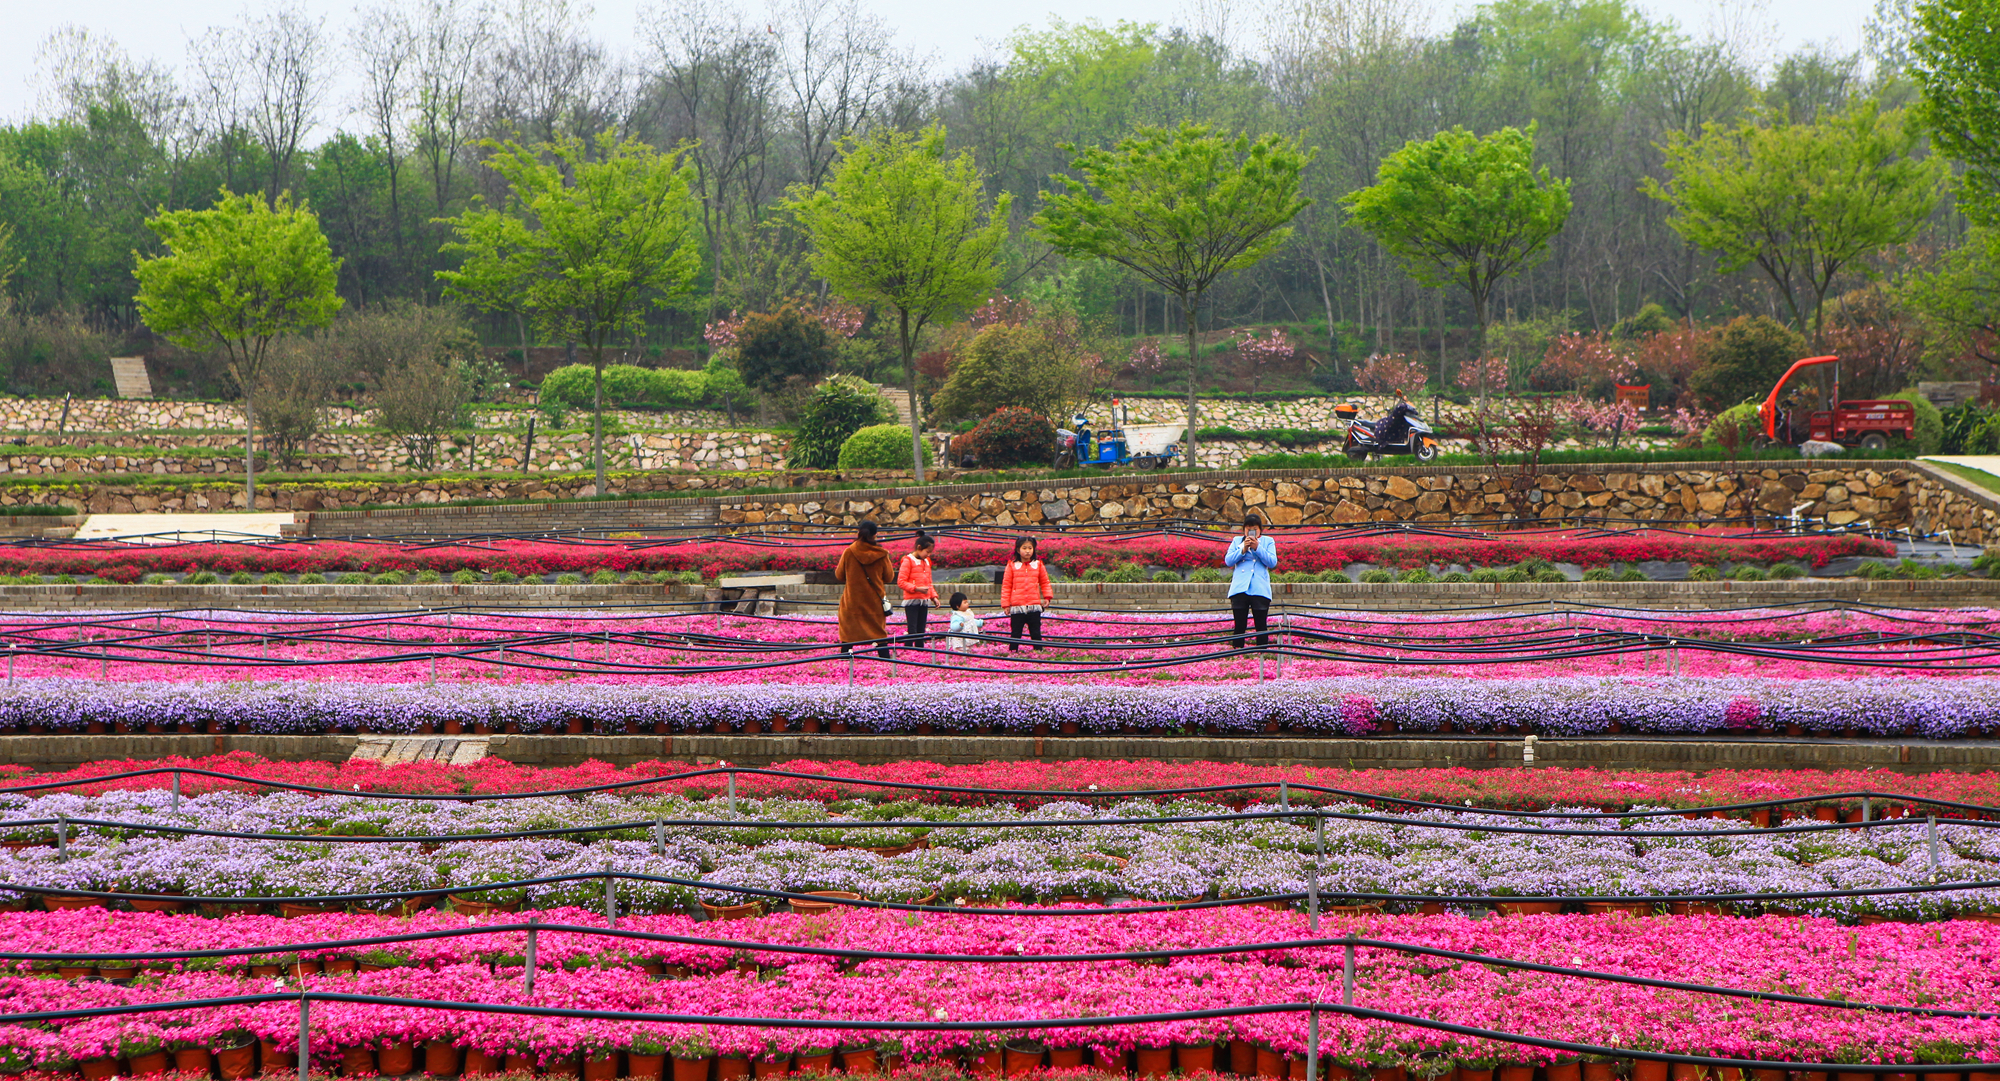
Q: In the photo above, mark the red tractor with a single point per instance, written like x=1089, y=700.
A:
x=1871, y=423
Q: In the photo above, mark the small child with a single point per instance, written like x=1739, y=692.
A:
x=964, y=621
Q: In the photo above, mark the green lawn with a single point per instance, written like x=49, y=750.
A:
x=1977, y=477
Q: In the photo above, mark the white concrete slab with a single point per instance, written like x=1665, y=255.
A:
x=173, y=528
x=1985, y=463
x=760, y=581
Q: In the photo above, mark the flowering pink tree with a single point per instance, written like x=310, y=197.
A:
x=1585, y=360
x=841, y=319
x=1598, y=418
x=1147, y=359
x=1690, y=420
x=1495, y=371
x=1002, y=309
x=1393, y=373
x=1259, y=353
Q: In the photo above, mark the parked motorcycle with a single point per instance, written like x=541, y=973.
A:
x=1402, y=431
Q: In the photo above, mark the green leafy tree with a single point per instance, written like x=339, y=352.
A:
x=1956, y=60
x=1045, y=365
x=1744, y=361
x=1465, y=210
x=901, y=226
x=1805, y=202
x=840, y=407
x=1179, y=207
x=238, y=276
x=773, y=348
x=1959, y=300
x=590, y=240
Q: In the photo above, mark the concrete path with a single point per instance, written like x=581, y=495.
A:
x=395, y=750
x=169, y=528
x=1985, y=463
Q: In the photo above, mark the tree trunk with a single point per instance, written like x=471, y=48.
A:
x=597, y=418
x=249, y=451
x=1479, y=345
x=910, y=383
x=1188, y=305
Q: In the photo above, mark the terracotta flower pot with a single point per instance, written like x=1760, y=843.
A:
x=97, y=1069
x=267, y=1049
x=1017, y=1062
x=357, y=1062
x=985, y=1064
x=733, y=912
x=813, y=908
x=1111, y=1062
x=566, y=1066
x=519, y=1063
x=780, y=1066
x=859, y=1062
x=480, y=1064
x=1646, y=1069
x=1242, y=1058
x=236, y=1063
x=731, y=1067
x=338, y=964
x=397, y=1059
x=117, y=972
x=150, y=1063
x=602, y=1067
x=1195, y=1059
x=653, y=1067
x=1265, y=1063
x=60, y=903
x=157, y=905
x=1295, y=1068
x=1563, y=1071
x=815, y=1063
x=1605, y=1071
x=1511, y=1072
x=300, y=969
x=1155, y=1061
x=1529, y=908
x=1469, y=1074
x=192, y=1060
x=441, y=1058
x=1065, y=1058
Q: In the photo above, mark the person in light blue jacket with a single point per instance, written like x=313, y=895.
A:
x=1251, y=555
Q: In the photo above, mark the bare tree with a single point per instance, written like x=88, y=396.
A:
x=385, y=46
x=549, y=81
x=298, y=379
x=452, y=39
x=839, y=75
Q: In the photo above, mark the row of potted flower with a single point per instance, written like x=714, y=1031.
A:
x=1943, y=968
x=1891, y=869
x=1341, y=707
x=834, y=780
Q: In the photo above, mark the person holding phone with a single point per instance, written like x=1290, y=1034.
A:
x=1251, y=557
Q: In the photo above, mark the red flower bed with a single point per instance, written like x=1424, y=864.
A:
x=126, y=563
x=1516, y=790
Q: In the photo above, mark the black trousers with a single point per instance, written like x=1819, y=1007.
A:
x=1242, y=605
x=916, y=617
x=1017, y=620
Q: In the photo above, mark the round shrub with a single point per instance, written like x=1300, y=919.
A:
x=1165, y=576
x=1208, y=575
x=1331, y=576
x=839, y=407
x=1377, y=576
x=604, y=578
x=503, y=577
x=1293, y=576
x=1416, y=576
x=1455, y=576
x=575, y=386
x=427, y=578
x=879, y=446
x=465, y=577
x=1633, y=574
x=1127, y=572
x=273, y=579
x=65, y=579
x=240, y=578
x=312, y=578
x=1489, y=574
x=1929, y=422
x=1702, y=572
x=1748, y=573
x=569, y=578
x=202, y=578
x=974, y=578
x=354, y=578
x=1550, y=574
x=389, y=578
x=1599, y=574
x=1010, y=437
x=1873, y=569
x=1744, y=416
x=1097, y=574
x=1785, y=572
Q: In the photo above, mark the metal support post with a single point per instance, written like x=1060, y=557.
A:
x=1866, y=809
x=610, y=901
x=1284, y=797
x=1260, y=668
x=528, y=974
x=850, y=668
x=62, y=838
x=1312, y=1046
x=659, y=837
x=434, y=669
x=1347, y=972
x=305, y=1038
x=1930, y=829
x=177, y=791
x=1312, y=880
x=732, y=793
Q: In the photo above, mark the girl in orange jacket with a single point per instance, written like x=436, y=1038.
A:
x=1024, y=591
x=913, y=574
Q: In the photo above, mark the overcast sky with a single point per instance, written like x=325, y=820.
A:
x=953, y=34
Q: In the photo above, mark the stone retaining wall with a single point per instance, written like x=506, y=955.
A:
x=101, y=415
x=374, y=452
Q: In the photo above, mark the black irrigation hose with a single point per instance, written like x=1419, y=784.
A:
x=858, y=956
x=991, y=823
x=1328, y=896
x=1010, y=1025
x=1131, y=793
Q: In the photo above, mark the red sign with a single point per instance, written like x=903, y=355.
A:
x=1639, y=397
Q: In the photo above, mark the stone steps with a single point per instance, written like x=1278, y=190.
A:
x=397, y=750
x=130, y=375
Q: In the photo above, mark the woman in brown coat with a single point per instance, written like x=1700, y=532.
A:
x=864, y=571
